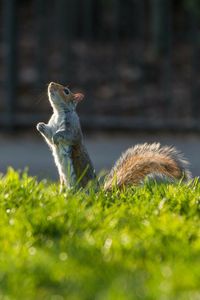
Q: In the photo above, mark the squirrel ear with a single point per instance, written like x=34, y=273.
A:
x=78, y=97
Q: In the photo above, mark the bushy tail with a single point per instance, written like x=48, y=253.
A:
x=147, y=160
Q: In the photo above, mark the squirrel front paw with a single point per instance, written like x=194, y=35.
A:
x=57, y=138
x=41, y=127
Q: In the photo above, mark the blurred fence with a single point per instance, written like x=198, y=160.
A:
x=137, y=61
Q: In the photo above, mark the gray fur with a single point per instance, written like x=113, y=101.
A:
x=159, y=178
x=62, y=133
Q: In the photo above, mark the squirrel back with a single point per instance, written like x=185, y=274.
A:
x=147, y=160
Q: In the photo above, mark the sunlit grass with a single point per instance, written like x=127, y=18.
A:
x=140, y=243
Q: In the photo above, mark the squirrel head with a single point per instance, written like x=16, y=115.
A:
x=61, y=97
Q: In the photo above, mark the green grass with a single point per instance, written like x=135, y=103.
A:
x=141, y=243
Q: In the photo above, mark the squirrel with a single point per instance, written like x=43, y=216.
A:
x=64, y=135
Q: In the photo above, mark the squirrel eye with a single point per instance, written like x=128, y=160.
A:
x=66, y=91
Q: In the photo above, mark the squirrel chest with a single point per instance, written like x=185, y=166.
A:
x=62, y=149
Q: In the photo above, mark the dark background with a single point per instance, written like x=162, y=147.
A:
x=137, y=61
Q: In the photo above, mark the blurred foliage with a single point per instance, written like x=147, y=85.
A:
x=140, y=243
x=193, y=5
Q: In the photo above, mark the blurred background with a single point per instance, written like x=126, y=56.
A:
x=137, y=61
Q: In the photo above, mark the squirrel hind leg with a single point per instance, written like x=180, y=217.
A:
x=62, y=181
x=62, y=184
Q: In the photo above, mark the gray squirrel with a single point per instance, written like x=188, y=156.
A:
x=64, y=135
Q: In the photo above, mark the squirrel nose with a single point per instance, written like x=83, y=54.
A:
x=51, y=84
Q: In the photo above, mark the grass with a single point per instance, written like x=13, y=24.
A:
x=141, y=243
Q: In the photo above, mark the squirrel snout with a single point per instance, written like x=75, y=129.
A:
x=51, y=85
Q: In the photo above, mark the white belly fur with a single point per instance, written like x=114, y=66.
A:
x=63, y=161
